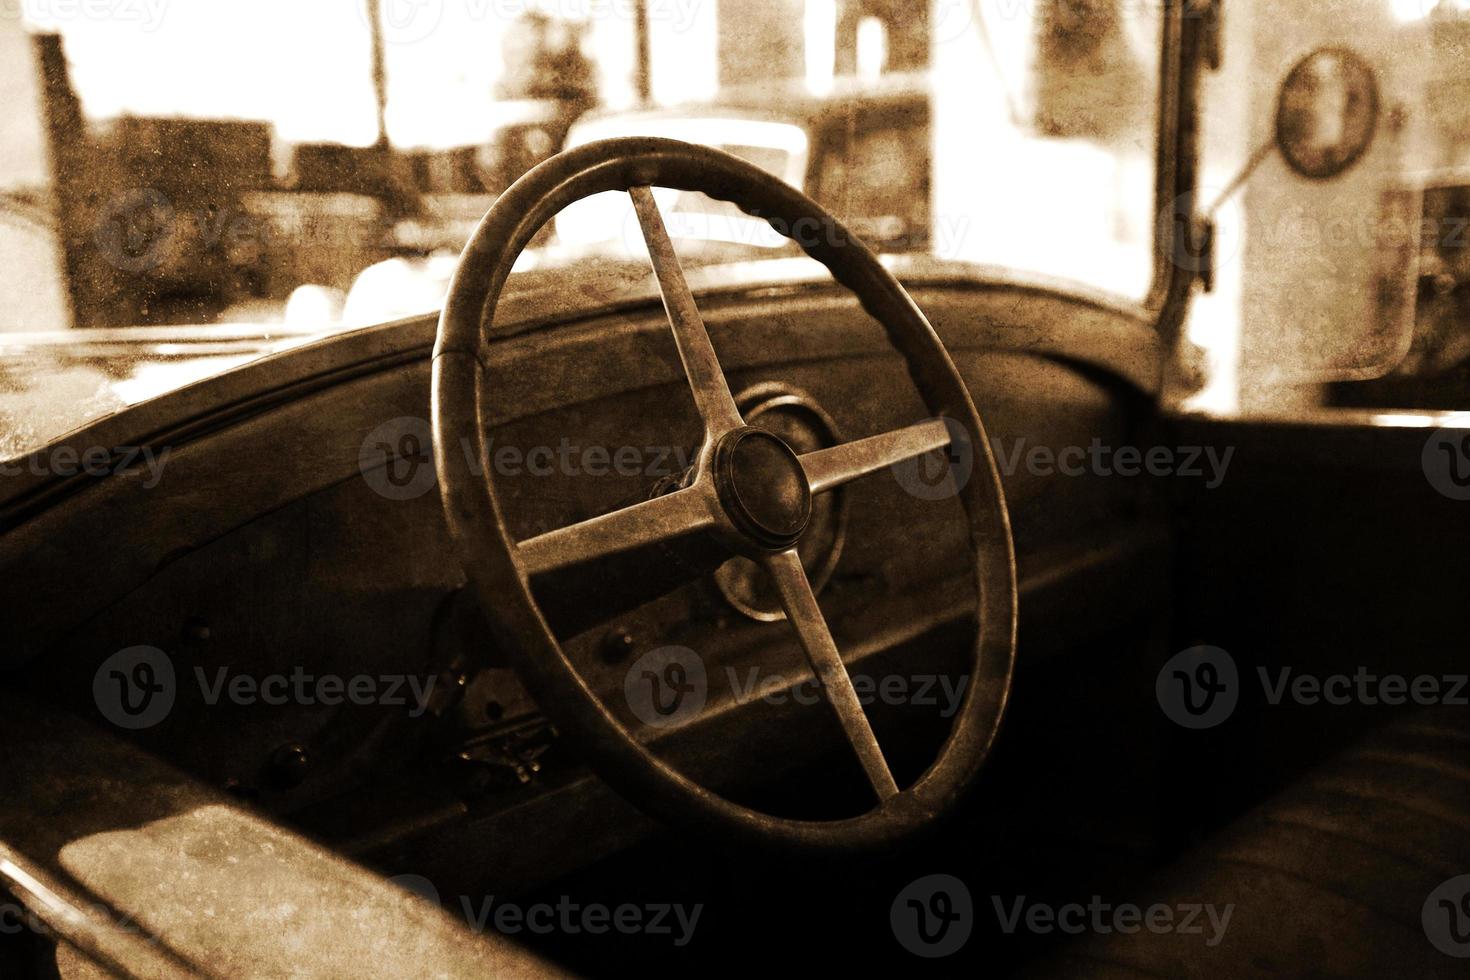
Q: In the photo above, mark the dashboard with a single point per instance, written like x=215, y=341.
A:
x=298, y=537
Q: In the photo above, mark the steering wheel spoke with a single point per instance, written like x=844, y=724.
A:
x=706, y=378
x=828, y=469
x=659, y=519
x=806, y=618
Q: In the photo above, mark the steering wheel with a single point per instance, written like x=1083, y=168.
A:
x=747, y=488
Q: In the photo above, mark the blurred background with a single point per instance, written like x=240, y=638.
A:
x=267, y=162
x=198, y=161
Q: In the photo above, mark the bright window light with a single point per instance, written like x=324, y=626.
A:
x=820, y=26
x=1410, y=10
x=872, y=48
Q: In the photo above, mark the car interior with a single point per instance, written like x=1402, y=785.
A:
x=755, y=487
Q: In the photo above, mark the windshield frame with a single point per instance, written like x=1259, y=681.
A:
x=1190, y=42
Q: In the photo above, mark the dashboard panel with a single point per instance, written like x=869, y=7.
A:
x=305, y=540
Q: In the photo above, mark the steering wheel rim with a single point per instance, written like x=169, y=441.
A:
x=499, y=568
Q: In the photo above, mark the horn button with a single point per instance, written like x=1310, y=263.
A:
x=762, y=486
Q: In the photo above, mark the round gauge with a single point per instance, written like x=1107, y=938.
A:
x=800, y=422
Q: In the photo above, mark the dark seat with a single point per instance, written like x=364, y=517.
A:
x=1330, y=879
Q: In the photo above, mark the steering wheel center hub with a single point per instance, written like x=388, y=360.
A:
x=762, y=486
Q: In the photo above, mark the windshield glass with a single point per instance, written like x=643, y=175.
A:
x=286, y=170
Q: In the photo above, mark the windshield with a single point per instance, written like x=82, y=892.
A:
x=282, y=170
